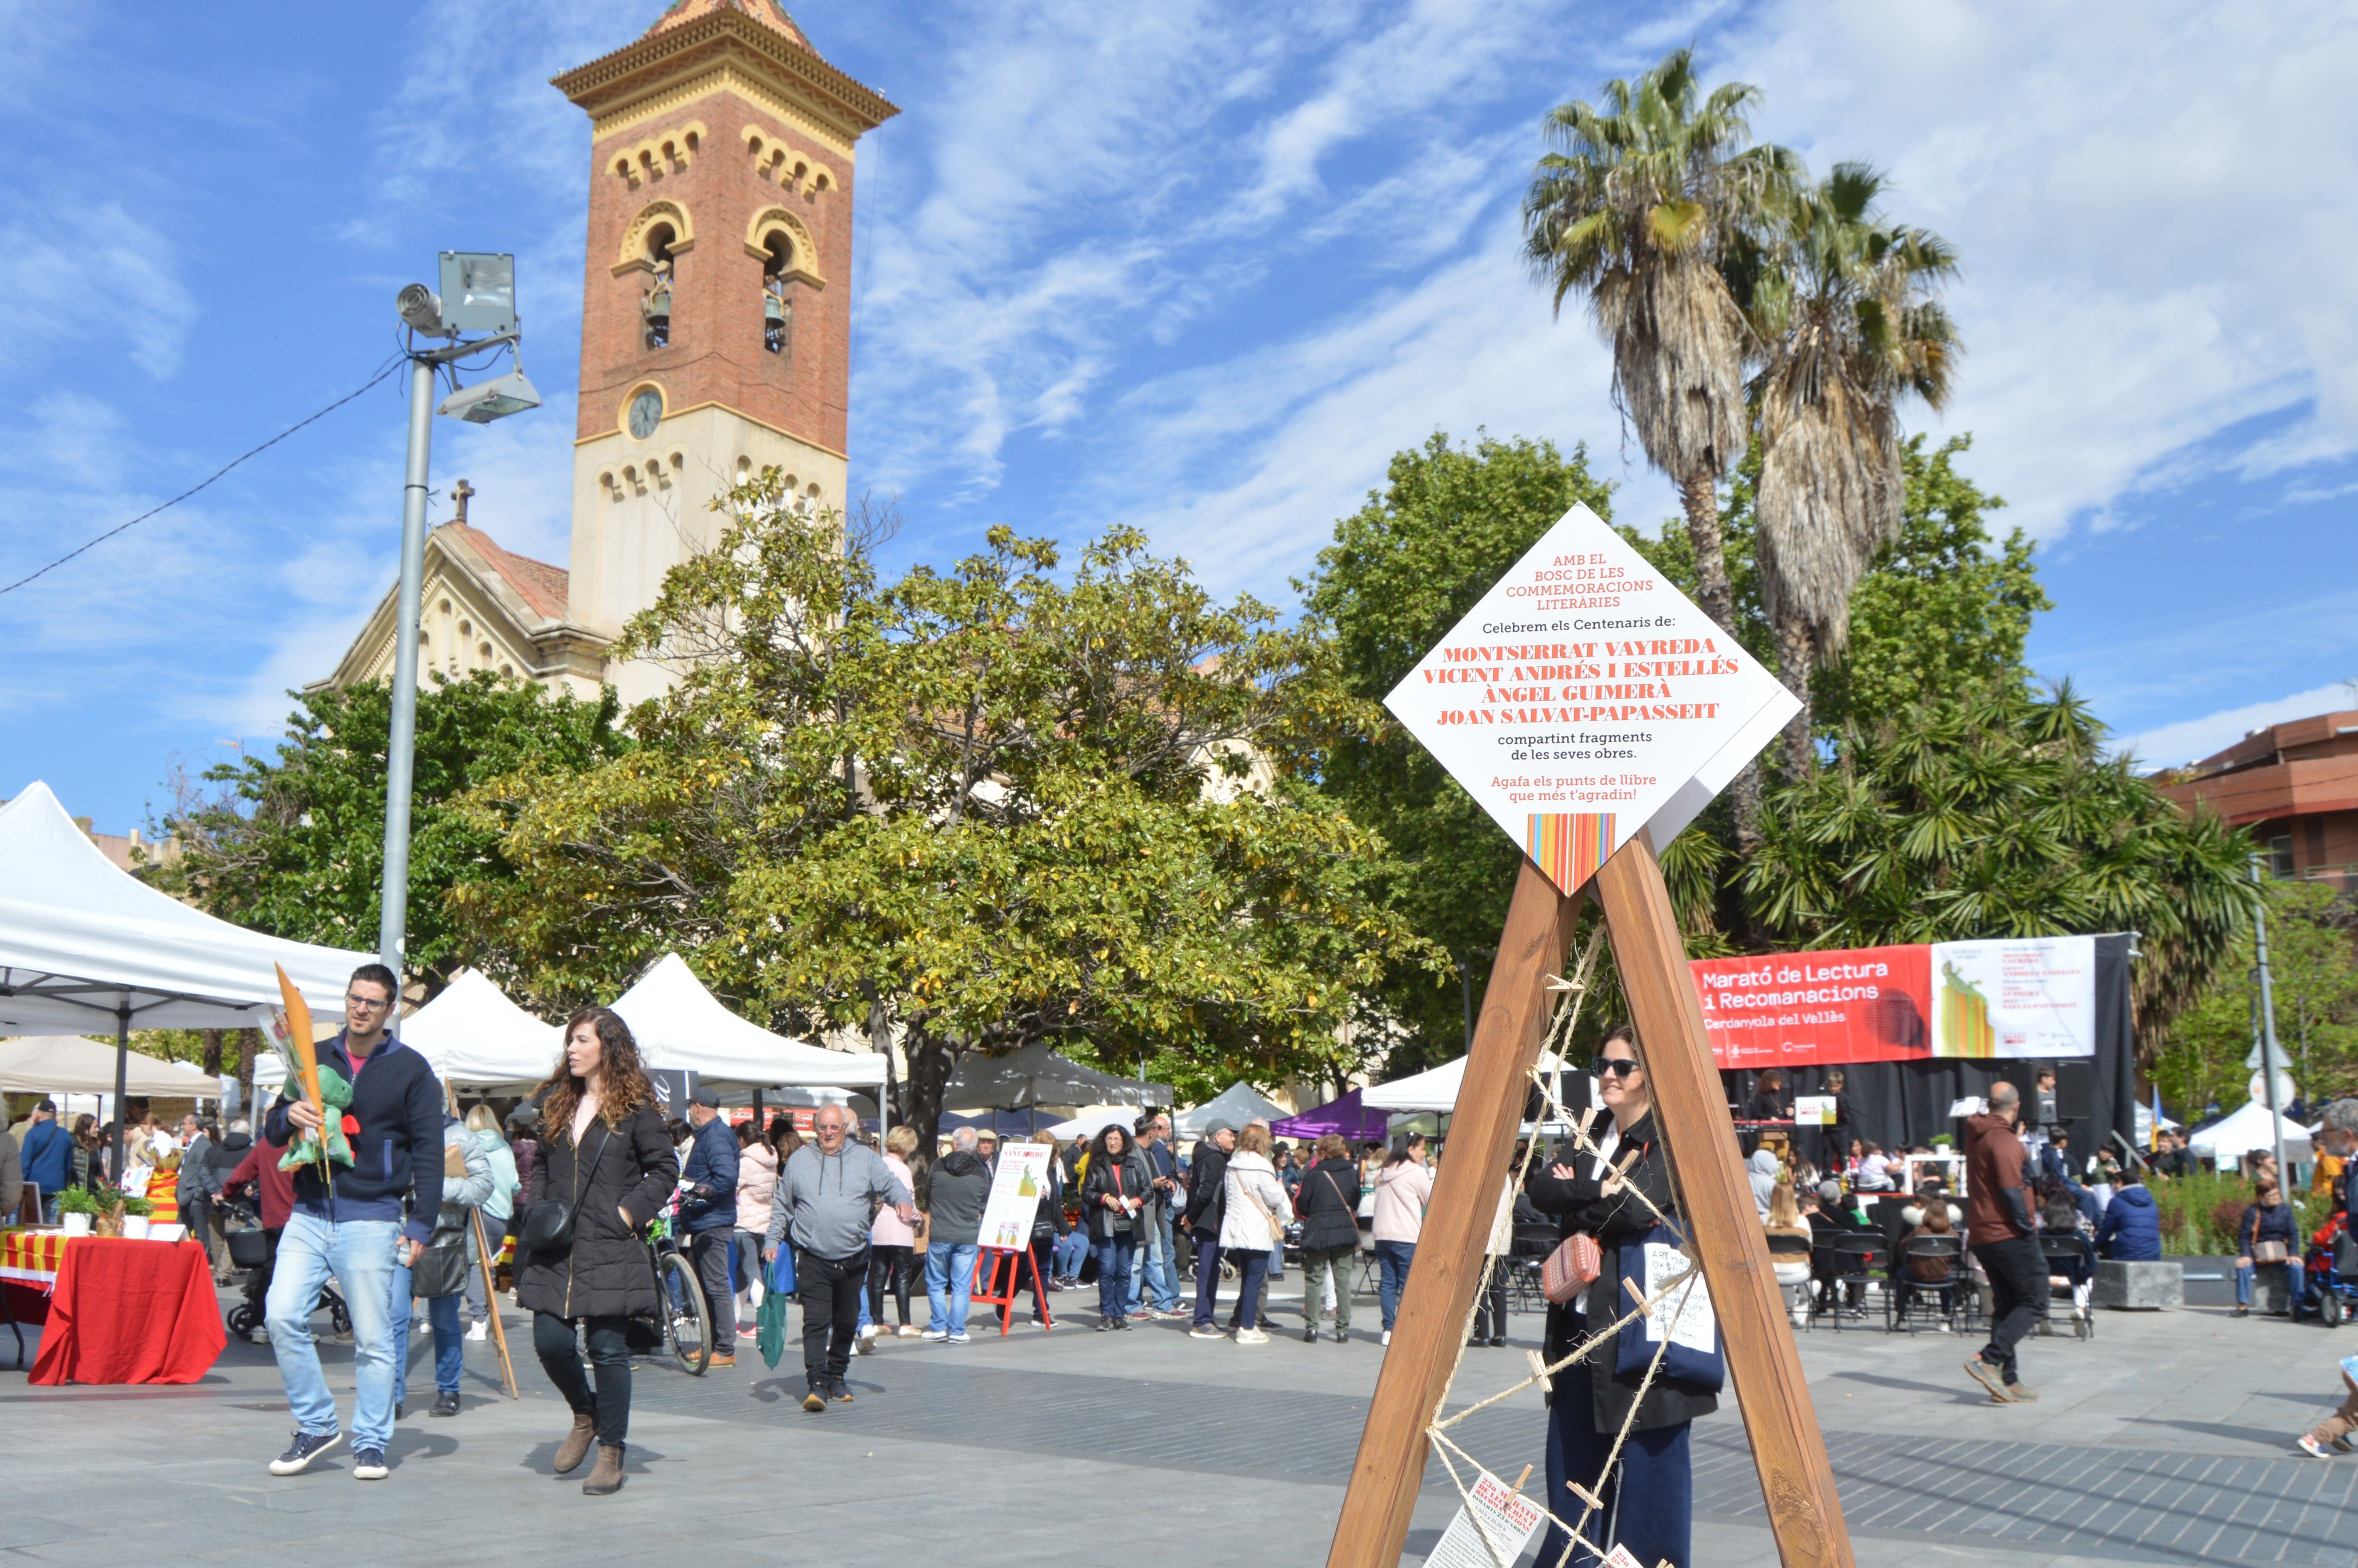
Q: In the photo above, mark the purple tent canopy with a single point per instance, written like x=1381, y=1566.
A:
x=1346, y=1117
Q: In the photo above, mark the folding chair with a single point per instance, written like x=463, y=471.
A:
x=1910, y=1299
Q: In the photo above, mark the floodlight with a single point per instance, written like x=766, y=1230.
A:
x=478, y=291
x=421, y=310
x=489, y=400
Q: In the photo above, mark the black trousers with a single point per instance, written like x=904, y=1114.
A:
x=2018, y=1277
x=829, y=1288
x=610, y=1353
x=709, y=1250
x=1490, y=1305
x=890, y=1268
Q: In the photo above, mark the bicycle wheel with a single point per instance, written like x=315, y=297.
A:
x=686, y=1320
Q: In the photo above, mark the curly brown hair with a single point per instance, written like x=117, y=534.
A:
x=624, y=1086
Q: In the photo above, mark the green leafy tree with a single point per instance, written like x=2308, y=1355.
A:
x=1844, y=306
x=1403, y=570
x=2314, y=975
x=1995, y=812
x=294, y=843
x=982, y=808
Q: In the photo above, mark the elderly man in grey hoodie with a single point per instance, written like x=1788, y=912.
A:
x=825, y=1202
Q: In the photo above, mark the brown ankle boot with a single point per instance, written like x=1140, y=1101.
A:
x=570, y=1452
x=608, y=1476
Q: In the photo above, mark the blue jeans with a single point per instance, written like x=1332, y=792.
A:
x=2249, y=1272
x=1207, y=1277
x=1654, y=1514
x=1070, y=1250
x=1392, y=1258
x=949, y=1284
x=1154, y=1272
x=359, y=1253
x=1113, y=1276
x=449, y=1345
x=1251, y=1266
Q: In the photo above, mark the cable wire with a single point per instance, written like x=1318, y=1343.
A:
x=387, y=370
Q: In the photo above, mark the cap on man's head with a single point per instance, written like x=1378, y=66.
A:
x=709, y=1098
x=1215, y=1128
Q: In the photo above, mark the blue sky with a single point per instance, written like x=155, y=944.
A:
x=1193, y=266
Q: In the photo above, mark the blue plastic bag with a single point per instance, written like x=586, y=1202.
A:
x=779, y=1280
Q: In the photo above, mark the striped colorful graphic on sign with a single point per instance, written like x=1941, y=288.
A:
x=1568, y=845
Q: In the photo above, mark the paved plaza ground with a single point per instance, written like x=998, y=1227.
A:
x=2164, y=1440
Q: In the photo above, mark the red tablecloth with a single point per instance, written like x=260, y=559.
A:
x=131, y=1312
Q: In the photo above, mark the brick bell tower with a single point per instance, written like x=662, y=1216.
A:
x=716, y=311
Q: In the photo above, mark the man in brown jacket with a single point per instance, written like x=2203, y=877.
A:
x=1999, y=1230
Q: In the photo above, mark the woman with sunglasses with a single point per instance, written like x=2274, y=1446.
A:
x=1649, y=1500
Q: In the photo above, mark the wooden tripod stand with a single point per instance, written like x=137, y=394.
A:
x=1796, y=1479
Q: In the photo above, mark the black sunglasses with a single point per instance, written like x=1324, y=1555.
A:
x=1615, y=1066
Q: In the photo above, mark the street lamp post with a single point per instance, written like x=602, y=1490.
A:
x=2269, y=1053
x=478, y=296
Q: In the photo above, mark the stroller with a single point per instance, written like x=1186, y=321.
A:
x=2328, y=1272
x=252, y=1254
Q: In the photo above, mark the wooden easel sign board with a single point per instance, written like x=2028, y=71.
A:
x=1592, y=710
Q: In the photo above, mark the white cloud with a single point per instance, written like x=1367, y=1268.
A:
x=2191, y=740
x=80, y=273
x=2148, y=199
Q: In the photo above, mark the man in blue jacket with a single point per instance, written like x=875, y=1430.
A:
x=2131, y=1232
x=47, y=1148
x=707, y=1212
x=352, y=1225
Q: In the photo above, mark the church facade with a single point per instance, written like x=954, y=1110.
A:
x=715, y=342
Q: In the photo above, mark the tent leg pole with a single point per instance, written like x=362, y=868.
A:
x=122, y=1075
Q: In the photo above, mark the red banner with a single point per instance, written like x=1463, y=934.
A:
x=1864, y=1004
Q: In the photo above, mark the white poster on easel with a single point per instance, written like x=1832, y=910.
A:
x=1016, y=1189
x=1490, y=1531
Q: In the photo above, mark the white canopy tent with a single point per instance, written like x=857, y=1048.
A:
x=478, y=1039
x=678, y=1023
x=84, y=945
x=1435, y=1089
x=2229, y=1139
x=1235, y=1105
x=69, y=1065
x=1096, y=1119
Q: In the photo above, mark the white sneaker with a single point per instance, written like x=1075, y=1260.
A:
x=936, y=1334
x=868, y=1340
x=480, y=1332
x=1251, y=1336
x=958, y=1339
x=1388, y=1336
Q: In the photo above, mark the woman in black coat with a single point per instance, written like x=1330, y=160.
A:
x=1327, y=1204
x=1649, y=1504
x=605, y=1157
x=1117, y=1187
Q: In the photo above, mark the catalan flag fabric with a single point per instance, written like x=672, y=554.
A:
x=31, y=1256
x=1569, y=845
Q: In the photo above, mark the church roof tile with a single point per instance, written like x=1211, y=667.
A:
x=770, y=13
x=544, y=587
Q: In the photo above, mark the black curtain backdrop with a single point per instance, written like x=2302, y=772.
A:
x=1899, y=1103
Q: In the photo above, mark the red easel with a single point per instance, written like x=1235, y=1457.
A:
x=990, y=1291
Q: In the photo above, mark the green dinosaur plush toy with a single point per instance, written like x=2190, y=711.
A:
x=335, y=1093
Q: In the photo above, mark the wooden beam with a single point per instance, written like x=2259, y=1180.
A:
x=1431, y=1325
x=1690, y=1106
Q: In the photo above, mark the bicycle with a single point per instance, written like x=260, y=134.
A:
x=687, y=1316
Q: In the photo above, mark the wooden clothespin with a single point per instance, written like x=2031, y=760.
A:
x=1521, y=1479
x=1645, y=1308
x=1583, y=1494
x=1558, y=983
x=1539, y=1376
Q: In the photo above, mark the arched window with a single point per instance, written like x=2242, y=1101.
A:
x=777, y=305
x=654, y=305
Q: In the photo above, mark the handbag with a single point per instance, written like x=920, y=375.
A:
x=1276, y=1230
x=1571, y=1269
x=2270, y=1252
x=548, y=1226
x=1118, y=1224
x=1694, y=1354
x=441, y=1268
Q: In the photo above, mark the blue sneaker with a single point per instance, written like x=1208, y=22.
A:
x=368, y=1465
x=306, y=1448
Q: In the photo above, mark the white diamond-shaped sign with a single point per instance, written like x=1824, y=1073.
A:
x=1586, y=697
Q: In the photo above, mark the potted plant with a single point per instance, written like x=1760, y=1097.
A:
x=78, y=1206
x=131, y=1215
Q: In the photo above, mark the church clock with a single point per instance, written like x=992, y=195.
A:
x=647, y=413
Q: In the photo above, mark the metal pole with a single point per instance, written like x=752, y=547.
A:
x=122, y=1075
x=402, y=738
x=2268, y=1034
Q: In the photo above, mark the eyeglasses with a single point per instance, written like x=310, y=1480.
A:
x=366, y=1003
x=1615, y=1066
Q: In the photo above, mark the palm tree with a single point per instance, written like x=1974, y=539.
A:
x=1635, y=211
x=1844, y=305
